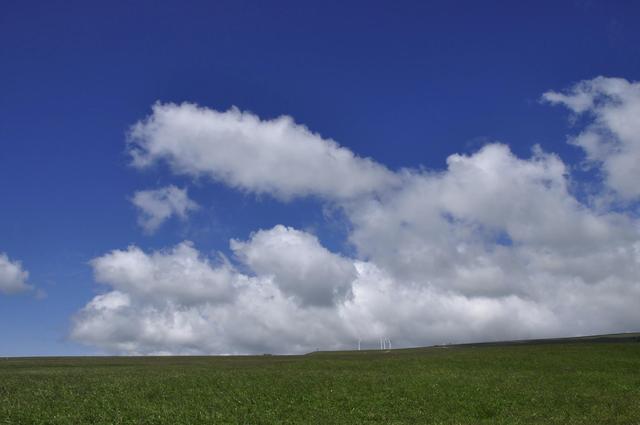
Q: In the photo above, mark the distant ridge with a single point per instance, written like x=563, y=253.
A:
x=619, y=337
x=606, y=338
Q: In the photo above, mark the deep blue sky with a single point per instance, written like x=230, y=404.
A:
x=406, y=83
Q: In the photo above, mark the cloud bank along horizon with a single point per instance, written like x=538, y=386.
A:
x=493, y=247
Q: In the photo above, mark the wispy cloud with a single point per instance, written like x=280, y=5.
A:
x=158, y=205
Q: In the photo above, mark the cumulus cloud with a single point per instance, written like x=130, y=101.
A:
x=612, y=140
x=298, y=263
x=180, y=274
x=471, y=220
x=260, y=314
x=13, y=277
x=178, y=300
x=157, y=206
x=493, y=247
x=276, y=156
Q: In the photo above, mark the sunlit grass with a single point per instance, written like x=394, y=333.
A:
x=572, y=383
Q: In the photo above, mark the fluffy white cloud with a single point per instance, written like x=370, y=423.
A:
x=179, y=301
x=157, y=206
x=472, y=220
x=613, y=138
x=260, y=315
x=298, y=263
x=180, y=274
x=13, y=278
x=276, y=156
x=493, y=247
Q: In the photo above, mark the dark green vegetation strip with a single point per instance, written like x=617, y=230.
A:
x=573, y=383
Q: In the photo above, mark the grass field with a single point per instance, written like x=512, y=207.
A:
x=560, y=383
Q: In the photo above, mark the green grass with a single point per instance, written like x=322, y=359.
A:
x=562, y=383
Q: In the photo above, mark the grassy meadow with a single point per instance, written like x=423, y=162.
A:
x=547, y=383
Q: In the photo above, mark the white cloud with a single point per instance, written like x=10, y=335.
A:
x=493, y=247
x=613, y=138
x=13, y=278
x=476, y=216
x=180, y=274
x=275, y=156
x=157, y=206
x=179, y=301
x=298, y=263
x=262, y=316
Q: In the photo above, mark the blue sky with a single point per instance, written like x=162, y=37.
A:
x=406, y=84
